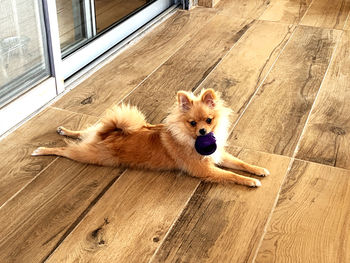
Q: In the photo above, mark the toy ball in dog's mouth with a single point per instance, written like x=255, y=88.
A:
x=206, y=144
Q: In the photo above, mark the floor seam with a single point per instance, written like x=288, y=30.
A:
x=272, y=210
x=285, y=156
x=346, y=21
x=307, y=10
x=29, y=182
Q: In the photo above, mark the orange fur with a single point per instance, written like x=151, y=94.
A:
x=123, y=137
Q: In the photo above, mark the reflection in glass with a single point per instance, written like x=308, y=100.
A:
x=110, y=11
x=81, y=20
x=23, y=53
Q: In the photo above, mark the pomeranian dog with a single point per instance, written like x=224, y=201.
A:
x=123, y=137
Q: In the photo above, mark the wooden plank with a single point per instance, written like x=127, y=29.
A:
x=327, y=136
x=116, y=79
x=43, y=213
x=276, y=116
x=286, y=11
x=224, y=223
x=248, y=9
x=327, y=14
x=311, y=222
x=241, y=72
x=17, y=167
x=189, y=66
x=130, y=220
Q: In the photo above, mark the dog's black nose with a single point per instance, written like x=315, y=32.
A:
x=202, y=131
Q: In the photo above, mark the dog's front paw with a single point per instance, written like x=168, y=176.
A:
x=253, y=183
x=262, y=172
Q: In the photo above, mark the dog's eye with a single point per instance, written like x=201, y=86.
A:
x=193, y=123
x=208, y=120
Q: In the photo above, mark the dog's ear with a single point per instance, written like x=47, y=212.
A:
x=209, y=97
x=184, y=101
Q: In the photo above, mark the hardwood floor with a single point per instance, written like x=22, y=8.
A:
x=225, y=222
x=286, y=11
x=18, y=168
x=326, y=138
x=327, y=13
x=238, y=86
x=106, y=235
x=276, y=116
x=311, y=220
x=281, y=66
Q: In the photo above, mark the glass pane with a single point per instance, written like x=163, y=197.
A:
x=73, y=23
x=110, y=11
x=79, y=21
x=23, y=51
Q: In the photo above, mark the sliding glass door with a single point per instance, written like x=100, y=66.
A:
x=75, y=23
x=88, y=28
x=81, y=21
x=24, y=59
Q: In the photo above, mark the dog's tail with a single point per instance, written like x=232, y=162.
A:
x=124, y=118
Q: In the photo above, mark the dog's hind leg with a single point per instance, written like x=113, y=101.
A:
x=84, y=153
x=69, y=133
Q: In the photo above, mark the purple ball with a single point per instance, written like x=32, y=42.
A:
x=206, y=144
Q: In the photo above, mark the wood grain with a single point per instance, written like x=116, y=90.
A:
x=327, y=136
x=241, y=72
x=190, y=66
x=311, y=222
x=43, y=213
x=327, y=14
x=276, y=116
x=17, y=167
x=347, y=24
x=116, y=79
x=130, y=220
x=286, y=11
x=223, y=223
x=246, y=9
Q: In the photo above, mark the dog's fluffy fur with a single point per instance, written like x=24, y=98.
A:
x=123, y=137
